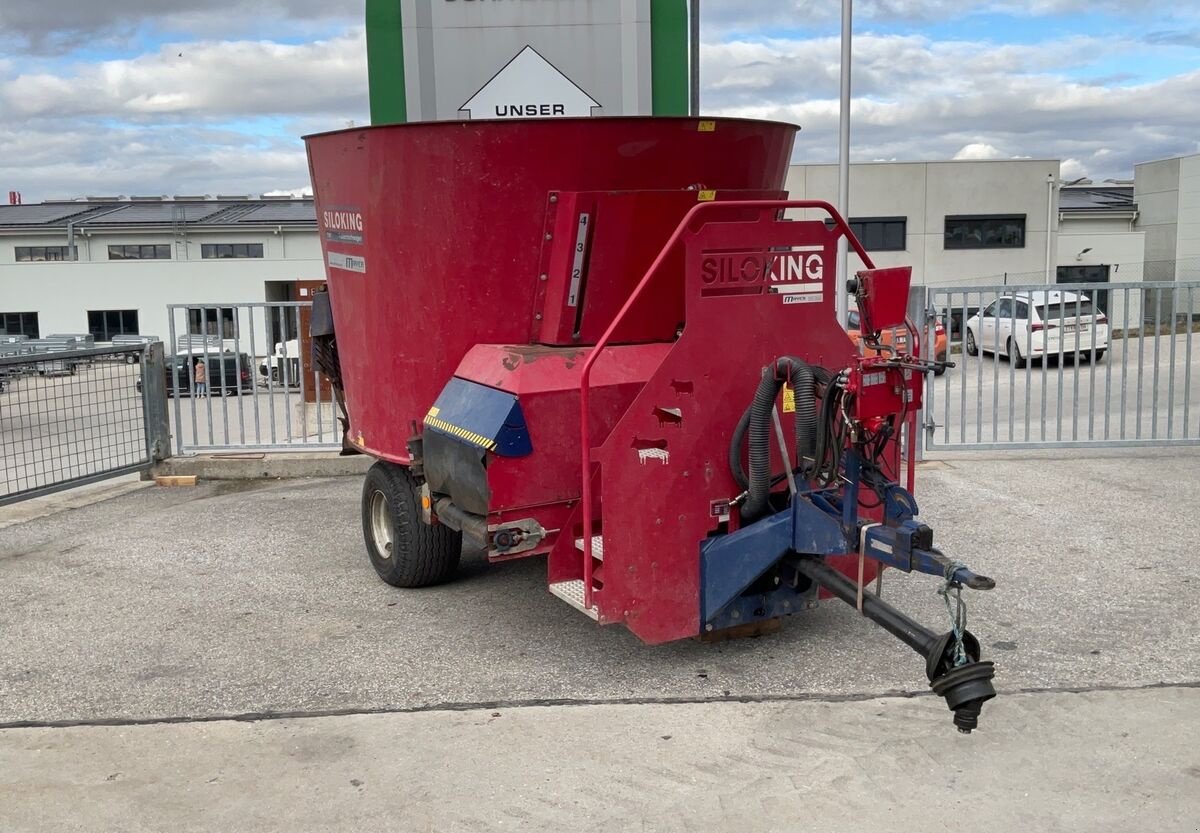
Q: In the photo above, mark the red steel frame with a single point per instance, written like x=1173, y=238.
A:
x=594, y=353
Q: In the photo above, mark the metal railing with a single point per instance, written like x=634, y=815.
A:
x=73, y=417
x=1103, y=364
x=262, y=391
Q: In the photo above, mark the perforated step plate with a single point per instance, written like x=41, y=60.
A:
x=597, y=546
x=571, y=592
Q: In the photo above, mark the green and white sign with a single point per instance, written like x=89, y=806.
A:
x=486, y=59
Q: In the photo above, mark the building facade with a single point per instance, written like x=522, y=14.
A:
x=966, y=222
x=1168, y=201
x=110, y=267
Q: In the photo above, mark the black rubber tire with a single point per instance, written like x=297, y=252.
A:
x=1097, y=356
x=971, y=348
x=420, y=555
x=1014, y=354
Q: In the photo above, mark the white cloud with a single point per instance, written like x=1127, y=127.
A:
x=740, y=16
x=1072, y=169
x=978, y=150
x=305, y=191
x=209, y=79
x=58, y=25
x=222, y=114
x=920, y=99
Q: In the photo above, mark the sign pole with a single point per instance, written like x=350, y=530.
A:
x=843, y=300
x=694, y=54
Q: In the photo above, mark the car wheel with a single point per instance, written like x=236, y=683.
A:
x=1014, y=354
x=404, y=550
x=971, y=348
x=941, y=370
x=1097, y=356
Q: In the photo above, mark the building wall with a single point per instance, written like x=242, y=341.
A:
x=1123, y=248
x=1117, y=248
x=1156, y=191
x=92, y=244
x=63, y=293
x=1187, y=246
x=926, y=192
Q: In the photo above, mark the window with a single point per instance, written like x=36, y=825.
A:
x=1069, y=309
x=139, y=252
x=103, y=324
x=19, y=324
x=32, y=254
x=990, y=312
x=879, y=234
x=212, y=321
x=992, y=231
x=223, y=250
x=1022, y=311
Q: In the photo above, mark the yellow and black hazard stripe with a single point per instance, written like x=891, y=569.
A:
x=461, y=433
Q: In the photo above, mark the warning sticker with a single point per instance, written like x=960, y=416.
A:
x=789, y=399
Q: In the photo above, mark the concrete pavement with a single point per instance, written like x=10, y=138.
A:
x=1101, y=761
x=255, y=599
x=1144, y=388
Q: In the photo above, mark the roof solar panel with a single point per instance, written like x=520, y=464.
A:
x=26, y=215
x=281, y=212
x=157, y=213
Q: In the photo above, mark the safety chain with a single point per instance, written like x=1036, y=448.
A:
x=957, y=611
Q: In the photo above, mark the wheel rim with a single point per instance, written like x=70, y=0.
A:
x=381, y=525
x=970, y=340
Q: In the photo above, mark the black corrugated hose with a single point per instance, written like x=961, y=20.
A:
x=756, y=421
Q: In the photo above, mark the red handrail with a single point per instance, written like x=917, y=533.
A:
x=586, y=373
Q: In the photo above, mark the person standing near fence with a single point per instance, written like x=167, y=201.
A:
x=200, y=378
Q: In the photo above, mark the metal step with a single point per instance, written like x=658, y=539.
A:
x=571, y=592
x=597, y=546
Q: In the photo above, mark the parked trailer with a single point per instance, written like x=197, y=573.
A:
x=61, y=343
x=598, y=340
x=131, y=340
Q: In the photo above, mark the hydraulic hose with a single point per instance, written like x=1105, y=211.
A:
x=757, y=423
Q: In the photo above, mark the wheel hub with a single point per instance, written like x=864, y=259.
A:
x=381, y=524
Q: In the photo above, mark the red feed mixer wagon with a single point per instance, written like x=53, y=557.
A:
x=601, y=341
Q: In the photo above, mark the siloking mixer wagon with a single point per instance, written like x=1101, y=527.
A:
x=602, y=341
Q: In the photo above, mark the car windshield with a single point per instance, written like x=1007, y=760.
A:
x=1059, y=310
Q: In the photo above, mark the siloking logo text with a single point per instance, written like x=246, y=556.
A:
x=343, y=225
x=797, y=275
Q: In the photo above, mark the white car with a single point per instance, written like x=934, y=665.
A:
x=1033, y=325
x=283, y=366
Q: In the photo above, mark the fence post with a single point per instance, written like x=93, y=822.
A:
x=154, y=402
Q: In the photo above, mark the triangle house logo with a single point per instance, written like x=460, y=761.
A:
x=528, y=86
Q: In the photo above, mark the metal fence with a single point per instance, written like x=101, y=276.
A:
x=72, y=417
x=260, y=390
x=1098, y=365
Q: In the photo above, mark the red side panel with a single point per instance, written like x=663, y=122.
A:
x=546, y=383
x=754, y=291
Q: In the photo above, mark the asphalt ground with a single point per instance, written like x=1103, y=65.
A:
x=257, y=599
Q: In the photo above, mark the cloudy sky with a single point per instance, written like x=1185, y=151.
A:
x=209, y=96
